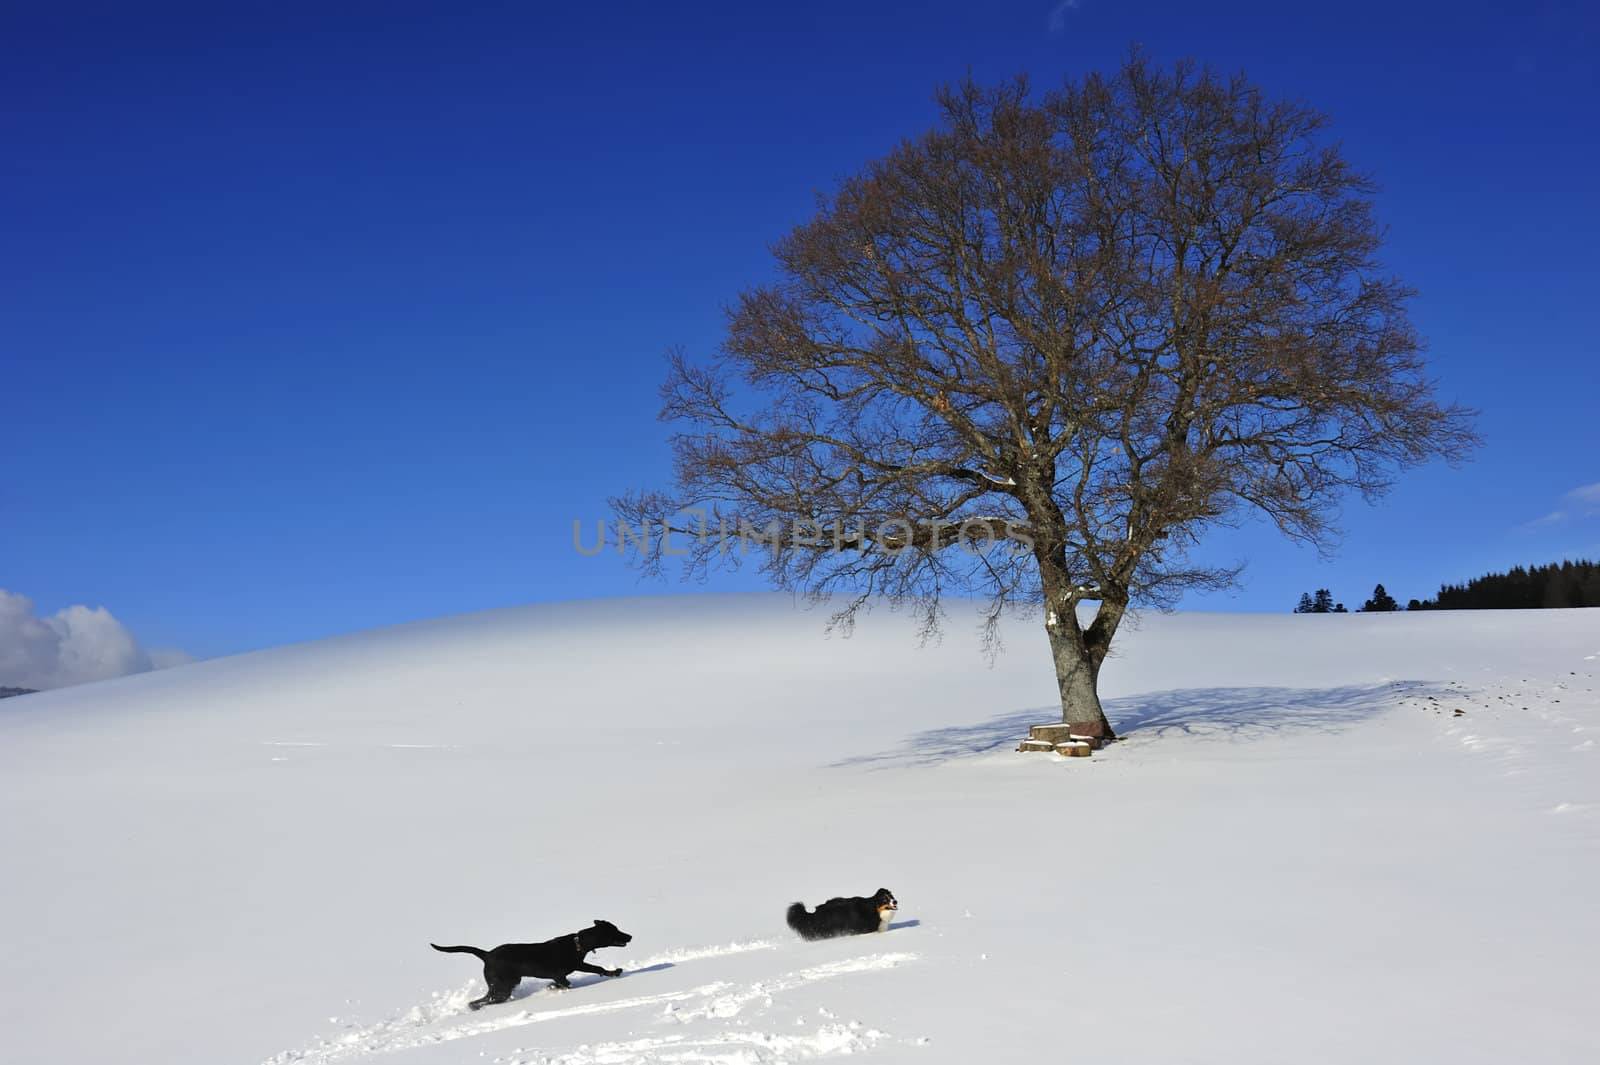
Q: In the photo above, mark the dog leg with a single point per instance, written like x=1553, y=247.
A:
x=585, y=967
x=500, y=988
x=561, y=983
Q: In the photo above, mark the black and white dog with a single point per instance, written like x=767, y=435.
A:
x=506, y=965
x=844, y=917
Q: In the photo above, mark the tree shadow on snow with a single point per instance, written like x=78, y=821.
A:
x=1240, y=713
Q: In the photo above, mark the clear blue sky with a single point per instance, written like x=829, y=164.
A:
x=317, y=317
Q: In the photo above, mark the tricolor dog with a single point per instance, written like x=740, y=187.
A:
x=844, y=917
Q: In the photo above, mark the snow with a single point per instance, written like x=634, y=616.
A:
x=1299, y=852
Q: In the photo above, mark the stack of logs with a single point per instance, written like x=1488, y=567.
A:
x=1062, y=739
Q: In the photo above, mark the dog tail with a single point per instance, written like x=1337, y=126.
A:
x=803, y=923
x=458, y=950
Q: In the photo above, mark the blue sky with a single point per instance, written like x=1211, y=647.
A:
x=322, y=317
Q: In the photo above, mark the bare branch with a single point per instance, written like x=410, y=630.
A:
x=1091, y=325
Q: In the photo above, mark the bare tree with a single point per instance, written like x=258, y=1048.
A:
x=1037, y=352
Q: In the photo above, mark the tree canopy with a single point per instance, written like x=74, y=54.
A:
x=1083, y=326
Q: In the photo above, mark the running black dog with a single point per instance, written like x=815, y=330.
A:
x=844, y=917
x=506, y=965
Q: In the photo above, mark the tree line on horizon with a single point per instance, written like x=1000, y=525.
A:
x=1569, y=583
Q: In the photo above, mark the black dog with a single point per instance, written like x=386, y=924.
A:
x=844, y=917
x=506, y=965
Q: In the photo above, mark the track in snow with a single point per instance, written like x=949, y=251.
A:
x=446, y=1018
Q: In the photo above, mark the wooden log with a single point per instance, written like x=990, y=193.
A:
x=1052, y=734
x=1035, y=745
x=1096, y=730
x=1074, y=750
x=1092, y=741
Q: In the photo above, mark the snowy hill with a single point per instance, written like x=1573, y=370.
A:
x=1301, y=853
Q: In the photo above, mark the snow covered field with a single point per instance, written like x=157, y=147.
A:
x=1300, y=853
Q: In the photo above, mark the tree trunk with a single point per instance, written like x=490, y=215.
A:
x=1078, y=653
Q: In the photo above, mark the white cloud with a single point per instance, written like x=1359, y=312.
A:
x=1581, y=502
x=1587, y=497
x=71, y=646
x=1058, y=15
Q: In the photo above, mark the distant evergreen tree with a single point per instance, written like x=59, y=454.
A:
x=1570, y=583
x=1380, y=603
x=1338, y=608
x=1415, y=604
x=1323, y=603
x=1306, y=606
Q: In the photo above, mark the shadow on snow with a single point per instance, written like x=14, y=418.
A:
x=533, y=985
x=1226, y=712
